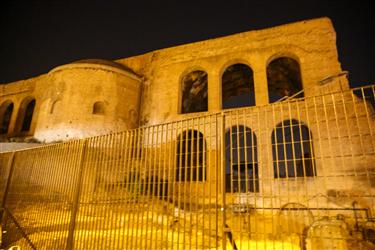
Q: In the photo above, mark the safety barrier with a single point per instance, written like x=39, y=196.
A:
x=297, y=174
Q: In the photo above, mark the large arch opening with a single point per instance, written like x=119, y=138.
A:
x=292, y=150
x=25, y=115
x=284, y=79
x=241, y=160
x=237, y=87
x=194, y=92
x=191, y=160
x=6, y=111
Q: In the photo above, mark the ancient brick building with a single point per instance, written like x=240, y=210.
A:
x=93, y=97
x=261, y=125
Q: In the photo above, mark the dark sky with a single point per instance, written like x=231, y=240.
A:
x=38, y=35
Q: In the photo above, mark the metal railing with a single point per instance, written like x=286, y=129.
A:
x=291, y=175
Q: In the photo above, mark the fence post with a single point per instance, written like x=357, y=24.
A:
x=6, y=190
x=222, y=177
x=77, y=193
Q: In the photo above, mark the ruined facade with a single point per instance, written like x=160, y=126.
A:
x=93, y=97
x=259, y=121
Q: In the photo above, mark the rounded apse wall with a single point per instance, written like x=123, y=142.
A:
x=88, y=98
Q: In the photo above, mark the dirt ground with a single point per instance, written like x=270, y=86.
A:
x=158, y=224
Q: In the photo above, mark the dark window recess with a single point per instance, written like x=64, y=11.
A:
x=7, y=111
x=292, y=150
x=194, y=92
x=284, y=79
x=98, y=108
x=190, y=151
x=241, y=160
x=28, y=116
x=238, y=87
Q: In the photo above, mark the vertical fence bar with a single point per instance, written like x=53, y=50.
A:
x=6, y=190
x=77, y=192
x=222, y=177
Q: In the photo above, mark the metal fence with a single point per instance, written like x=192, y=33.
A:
x=297, y=174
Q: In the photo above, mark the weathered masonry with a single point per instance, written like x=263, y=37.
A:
x=251, y=141
x=94, y=97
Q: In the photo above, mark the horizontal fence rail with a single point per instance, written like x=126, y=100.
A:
x=297, y=174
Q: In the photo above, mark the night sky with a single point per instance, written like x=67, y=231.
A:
x=38, y=35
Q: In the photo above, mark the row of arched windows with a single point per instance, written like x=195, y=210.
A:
x=283, y=76
x=292, y=153
x=24, y=116
x=98, y=108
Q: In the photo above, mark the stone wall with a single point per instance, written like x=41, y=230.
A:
x=311, y=43
x=146, y=89
x=65, y=98
x=67, y=109
x=17, y=92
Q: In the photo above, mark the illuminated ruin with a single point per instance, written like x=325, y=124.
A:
x=253, y=140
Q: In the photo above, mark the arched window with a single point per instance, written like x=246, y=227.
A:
x=25, y=115
x=284, y=79
x=194, y=92
x=292, y=150
x=238, y=87
x=6, y=110
x=26, y=123
x=55, y=106
x=191, y=151
x=241, y=160
x=98, y=108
